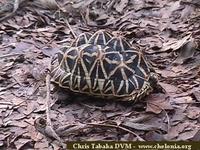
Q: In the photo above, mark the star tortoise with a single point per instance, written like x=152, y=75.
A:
x=104, y=66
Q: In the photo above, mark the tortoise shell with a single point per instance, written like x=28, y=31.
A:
x=104, y=66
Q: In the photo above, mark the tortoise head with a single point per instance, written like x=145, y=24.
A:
x=153, y=80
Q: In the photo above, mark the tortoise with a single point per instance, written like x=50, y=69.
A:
x=105, y=66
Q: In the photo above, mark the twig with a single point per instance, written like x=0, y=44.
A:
x=187, y=103
x=141, y=119
x=8, y=87
x=71, y=128
x=3, y=46
x=9, y=55
x=67, y=22
x=5, y=103
x=48, y=128
x=91, y=107
x=68, y=25
x=118, y=127
x=67, y=129
x=48, y=97
x=52, y=39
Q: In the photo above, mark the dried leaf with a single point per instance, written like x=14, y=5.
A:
x=187, y=135
x=176, y=44
x=82, y=3
x=169, y=88
x=154, y=136
x=140, y=126
x=21, y=142
x=183, y=99
x=167, y=73
x=121, y=5
x=157, y=103
x=196, y=137
x=197, y=95
x=177, y=117
x=42, y=144
x=185, y=52
x=48, y=4
x=193, y=112
x=175, y=131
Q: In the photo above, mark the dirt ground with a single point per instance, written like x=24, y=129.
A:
x=167, y=31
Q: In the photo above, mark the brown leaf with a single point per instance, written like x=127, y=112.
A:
x=187, y=135
x=196, y=137
x=186, y=12
x=32, y=133
x=16, y=100
x=175, y=44
x=48, y=4
x=167, y=73
x=158, y=102
x=197, y=95
x=177, y=117
x=175, y=130
x=169, y=88
x=180, y=69
x=21, y=124
x=167, y=11
x=22, y=46
x=193, y=112
x=154, y=136
x=121, y=5
x=42, y=144
x=49, y=51
x=21, y=142
x=38, y=71
x=31, y=106
x=183, y=99
x=186, y=51
x=82, y=4
x=2, y=137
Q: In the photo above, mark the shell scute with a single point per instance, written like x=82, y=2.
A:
x=104, y=66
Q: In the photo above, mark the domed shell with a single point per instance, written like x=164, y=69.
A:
x=104, y=66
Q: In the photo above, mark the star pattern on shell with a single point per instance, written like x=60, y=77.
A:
x=103, y=65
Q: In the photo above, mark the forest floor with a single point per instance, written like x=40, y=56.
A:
x=167, y=31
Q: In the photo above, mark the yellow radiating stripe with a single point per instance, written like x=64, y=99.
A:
x=101, y=83
x=121, y=44
x=127, y=86
x=120, y=87
x=108, y=89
